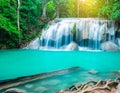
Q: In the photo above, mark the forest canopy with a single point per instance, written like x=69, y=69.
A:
x=22, y=20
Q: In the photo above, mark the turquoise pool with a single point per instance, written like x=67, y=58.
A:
x=18, y=63
x=64, y=81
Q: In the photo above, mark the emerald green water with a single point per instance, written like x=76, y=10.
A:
x=18, y=63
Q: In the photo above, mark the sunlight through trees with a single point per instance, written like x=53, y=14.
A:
x=30, y=16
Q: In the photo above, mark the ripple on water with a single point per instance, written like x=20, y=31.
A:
x=29, y=86
x=50, y=82
x=40, y=89
x=67, y=76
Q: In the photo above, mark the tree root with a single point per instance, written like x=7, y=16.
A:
x=91, y=86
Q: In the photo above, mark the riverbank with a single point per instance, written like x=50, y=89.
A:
x=108, y=86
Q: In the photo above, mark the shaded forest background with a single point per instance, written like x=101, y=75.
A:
x=22, y=20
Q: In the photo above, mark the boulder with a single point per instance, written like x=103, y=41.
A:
x=35, y=44
x=14, y=90
x=118, y=89
x=72, y=46
x=109, y=46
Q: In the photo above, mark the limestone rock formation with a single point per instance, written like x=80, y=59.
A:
x=34, y=44
x=72, y=46
x=91, y=33
x=118, y=41
x=118, y=89
x=109, y=46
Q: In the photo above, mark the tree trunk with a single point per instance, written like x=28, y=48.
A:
x=18, y=21
x=78, y=8
x=44, y=9
x=58, y=12
x=18, y=15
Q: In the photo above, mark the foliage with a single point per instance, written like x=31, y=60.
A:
x=74, y=32
x=51, y=9
x=30, y=13
x=70, y=8
x=8, y=27
x=111, y=10
x=31, y=20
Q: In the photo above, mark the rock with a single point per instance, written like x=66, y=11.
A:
x=14, y=90
x=118, y=42
x=109, y=46
x=53, y=22
x=117, y=80
x=118, y=89
x=93, y=72
x=35, y=44
x=72, y=46
x=108, y=86
x=4, y=47
x=57, y=20
x=115, y=73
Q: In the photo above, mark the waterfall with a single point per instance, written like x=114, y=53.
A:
x=88, y=33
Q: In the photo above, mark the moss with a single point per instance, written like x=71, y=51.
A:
x=74, y=32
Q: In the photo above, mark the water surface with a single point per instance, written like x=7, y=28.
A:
x=17, y=63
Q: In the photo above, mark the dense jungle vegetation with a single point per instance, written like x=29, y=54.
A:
x=22, y=20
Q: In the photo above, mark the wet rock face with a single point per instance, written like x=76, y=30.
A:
x=118, y=41
x=92, y=33
x=109, y=46
x=14, y=90
x=71, y=29
x=34, y=44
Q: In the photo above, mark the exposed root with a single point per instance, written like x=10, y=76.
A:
x=92, y=86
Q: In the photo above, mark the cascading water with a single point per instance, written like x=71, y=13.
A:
x=85, y=32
